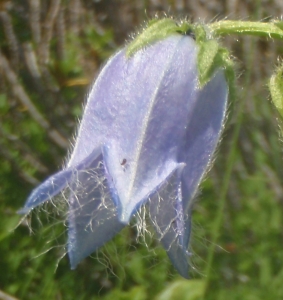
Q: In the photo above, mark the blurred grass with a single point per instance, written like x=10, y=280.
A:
x=242, y=259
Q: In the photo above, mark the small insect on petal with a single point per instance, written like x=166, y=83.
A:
x=148, y=134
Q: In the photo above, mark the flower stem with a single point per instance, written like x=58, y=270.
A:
x=231, y=157
x=272, y=29
x=215, y=230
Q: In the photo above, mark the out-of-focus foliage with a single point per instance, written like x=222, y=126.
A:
x=50, y=52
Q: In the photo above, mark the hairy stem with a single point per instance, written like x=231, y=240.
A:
x=264, y=29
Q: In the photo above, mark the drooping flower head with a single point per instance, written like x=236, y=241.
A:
x=150, y=127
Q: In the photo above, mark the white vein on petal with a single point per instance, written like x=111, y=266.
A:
x=145, y=124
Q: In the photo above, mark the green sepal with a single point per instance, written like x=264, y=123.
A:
x=229, y=70
x=201, y=33
x=212, y=57
x=156, y=30
x=208, y=58
x=276, y=89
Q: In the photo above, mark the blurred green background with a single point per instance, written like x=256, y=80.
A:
x=50, y=53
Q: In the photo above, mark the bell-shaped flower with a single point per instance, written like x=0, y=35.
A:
x=148, y=135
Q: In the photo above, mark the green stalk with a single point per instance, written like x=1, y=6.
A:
x=222, y=28
x=215, y=231
x=272, y=29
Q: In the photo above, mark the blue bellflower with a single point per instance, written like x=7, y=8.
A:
x=147, y=135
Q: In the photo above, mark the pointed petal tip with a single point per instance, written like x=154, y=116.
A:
x=185, y=274
x=73, y=262
x=124, y=218
x=180, y=262
x=125, y=214
x=24, y=211
x=74, y=256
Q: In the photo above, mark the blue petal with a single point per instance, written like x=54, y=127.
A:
x=135, y=105
x=55, y=184
x=204, y=130
x=49, y=188
x=139, y=194
x=92, y=219
x=167, y=217
x=170, y=208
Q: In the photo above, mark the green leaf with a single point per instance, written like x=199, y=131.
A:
x=183, y=290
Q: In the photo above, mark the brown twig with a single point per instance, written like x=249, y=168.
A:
x=17, y=169
x=28, y=154
x=60, y=33
x=74, y=10
x=47, y=31
x=34, y=18
x=22, y=96
x=10, y=36
x=31, y=60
